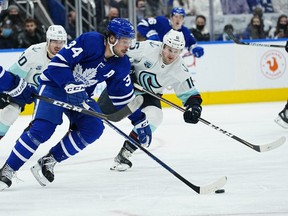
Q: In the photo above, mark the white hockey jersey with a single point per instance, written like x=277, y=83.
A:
x=156, y=76
x=32, y=62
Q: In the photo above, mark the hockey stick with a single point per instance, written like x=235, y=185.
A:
x=115, y=117
x=198, y=189
x=237, y=41
x=258, y=148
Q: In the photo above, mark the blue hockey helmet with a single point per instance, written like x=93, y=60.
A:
x=178, y=10
x=121, y=28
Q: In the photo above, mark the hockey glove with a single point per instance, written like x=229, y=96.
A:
x=286, y=47
x=22, y=92
x=143, y=131
x=193, y=109
x=197, y=51
x=76, y=93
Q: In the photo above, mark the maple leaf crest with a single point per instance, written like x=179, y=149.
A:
x=87, y=76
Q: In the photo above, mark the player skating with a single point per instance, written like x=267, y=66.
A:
x=157, y=66
x=155, y=28
x=72, y=76
x=32, y=62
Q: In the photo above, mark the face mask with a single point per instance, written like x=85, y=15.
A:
x=6, y=32
x=200, y=27
x=282, y=26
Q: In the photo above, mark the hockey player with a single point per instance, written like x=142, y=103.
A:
x=282, y=118
x=155, y=29
x=72, y=76
x=29, y=66
x=157, y=66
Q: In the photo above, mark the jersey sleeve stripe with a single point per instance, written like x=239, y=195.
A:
x=57, y=64
x=61, y=57
x=122, y=97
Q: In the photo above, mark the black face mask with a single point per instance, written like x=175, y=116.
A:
x=283, y=26
x=200, y=27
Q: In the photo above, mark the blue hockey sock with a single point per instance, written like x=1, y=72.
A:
x=24, y=148
x=70, y=145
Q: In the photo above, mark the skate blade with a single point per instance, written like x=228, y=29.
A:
x=3, y=186
x=119, y=167
x=281, y=123
x=37, y=173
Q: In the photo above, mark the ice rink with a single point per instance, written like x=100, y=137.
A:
x=257, y=182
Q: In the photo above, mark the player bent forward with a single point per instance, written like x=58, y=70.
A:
x=157, y=66
x=72, y=76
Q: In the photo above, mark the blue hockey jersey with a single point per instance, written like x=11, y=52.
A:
x=83, y=61
x=161, y=25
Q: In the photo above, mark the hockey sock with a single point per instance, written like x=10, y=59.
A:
x=70, y=145
x=24, y=148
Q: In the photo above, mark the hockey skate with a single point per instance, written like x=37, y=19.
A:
x=282, y=118
x=6, y=175
x=121, y=161
x=43, y=171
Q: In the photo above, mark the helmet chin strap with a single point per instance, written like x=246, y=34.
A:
x=111, y=46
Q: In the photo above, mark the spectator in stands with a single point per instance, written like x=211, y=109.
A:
x=8, y=39
x=281, y=29
x=234, y=7
x=113, y=13
x=254, y=29
x=266, y=5
x=224, y=36
x=140, y=10
x=13, y=14
x=265, y=23
x=199, y=30
x=31, y=35
x=122, y=6
x=71, y=29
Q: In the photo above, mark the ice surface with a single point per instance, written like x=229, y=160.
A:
x=257, y=182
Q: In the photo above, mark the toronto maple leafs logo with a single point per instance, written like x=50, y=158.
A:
x=87, y=76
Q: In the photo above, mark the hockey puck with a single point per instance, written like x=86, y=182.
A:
x=220, y=191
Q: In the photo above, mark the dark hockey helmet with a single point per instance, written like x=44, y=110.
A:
x=121, y=28
x=178, y=10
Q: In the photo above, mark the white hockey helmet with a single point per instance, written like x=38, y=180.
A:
x=56, y=32
x=174, y=39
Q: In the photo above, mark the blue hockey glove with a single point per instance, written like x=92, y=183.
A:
x=76, y=93
x=197, y=51
x=143, y=131
x=22, y=92
x=154, y=37
x=193, y=109
x=286, y=47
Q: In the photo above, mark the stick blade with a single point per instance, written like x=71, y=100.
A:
x=211, y=188
x=273, y=145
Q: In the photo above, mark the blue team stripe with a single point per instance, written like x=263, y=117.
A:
x=121, y=97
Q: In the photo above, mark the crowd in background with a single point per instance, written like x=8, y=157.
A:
x=19, y=31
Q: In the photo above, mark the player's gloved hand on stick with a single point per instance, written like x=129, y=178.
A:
x=21, y=92
x=193, y=109
x=143, y=131
x=4, y=100
x=76, y=93
x=286, y=47
x=197, y=51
